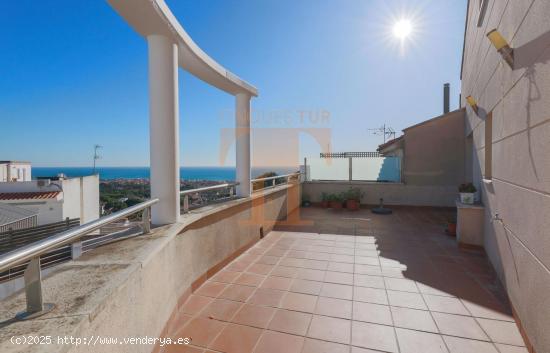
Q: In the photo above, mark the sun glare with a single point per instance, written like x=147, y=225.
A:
x=402, y=29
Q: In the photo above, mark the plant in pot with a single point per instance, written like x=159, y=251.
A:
x=451, y=226
x=324, y=200
x=353, y=199
x=467, y=193
x=335, y=201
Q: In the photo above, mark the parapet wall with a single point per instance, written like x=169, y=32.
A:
x=392, y=193
x=131, y=288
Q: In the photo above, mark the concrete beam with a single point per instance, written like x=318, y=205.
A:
x=153, y=17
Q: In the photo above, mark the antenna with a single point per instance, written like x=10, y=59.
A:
x=384, y=131
x=96, y=156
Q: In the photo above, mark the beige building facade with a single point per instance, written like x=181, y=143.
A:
x=508, y=150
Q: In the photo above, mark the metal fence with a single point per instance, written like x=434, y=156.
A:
x=195, y=198
x=28, y=258
x=350, y=155
x=13, y=239
x=270, y=182
x=24, y=223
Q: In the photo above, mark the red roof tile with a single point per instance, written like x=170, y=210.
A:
x=39, y=195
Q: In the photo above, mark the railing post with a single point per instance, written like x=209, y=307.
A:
x=185, y=203
x=305, y=168
x=146, y=220
x=350, y=170
x=76, y=250
x=231, y=191
x=33, y=292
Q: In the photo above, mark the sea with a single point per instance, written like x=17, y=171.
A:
x=186, y=173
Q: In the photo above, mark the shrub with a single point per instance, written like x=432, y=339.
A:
x=353, y=194
x=467, y=187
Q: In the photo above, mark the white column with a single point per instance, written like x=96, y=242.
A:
x=164, y=128
x=242, y=141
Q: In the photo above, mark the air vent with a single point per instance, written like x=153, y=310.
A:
x=43, y=182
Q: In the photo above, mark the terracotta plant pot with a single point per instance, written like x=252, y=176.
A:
x=451, y=229
x=352, y=205
x=335, y=204
x=324, y=204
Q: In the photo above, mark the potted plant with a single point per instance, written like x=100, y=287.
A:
x=451, y=226
x=335, y=201
x=467, y=193
x=353, y=199
x=324, y=200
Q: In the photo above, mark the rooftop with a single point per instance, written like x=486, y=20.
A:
x=10, y=213
x=38, y=195
x=19, y=162
x=350, y=282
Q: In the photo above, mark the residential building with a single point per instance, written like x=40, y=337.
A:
x=11, y=171
x=55, y=199
x=508, y=138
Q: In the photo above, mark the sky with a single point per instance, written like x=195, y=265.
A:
x=74, y=74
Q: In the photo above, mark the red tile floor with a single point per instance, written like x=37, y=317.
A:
x=354, y=283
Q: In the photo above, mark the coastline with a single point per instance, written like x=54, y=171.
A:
x=136, y=174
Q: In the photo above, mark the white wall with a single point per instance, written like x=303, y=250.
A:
x=81, y=198
x=3, y=173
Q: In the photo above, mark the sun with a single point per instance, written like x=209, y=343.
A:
x=402, y=29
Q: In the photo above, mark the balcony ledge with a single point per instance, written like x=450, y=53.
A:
x=86, y=291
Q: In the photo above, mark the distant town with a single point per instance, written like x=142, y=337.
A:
x=117, y=194
x=28, y=201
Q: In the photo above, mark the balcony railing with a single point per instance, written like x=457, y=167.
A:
x=207, y=195
x=31, y=253
x=346, y=167
x=270, y=182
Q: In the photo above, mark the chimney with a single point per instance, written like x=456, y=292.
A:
x=446, y=93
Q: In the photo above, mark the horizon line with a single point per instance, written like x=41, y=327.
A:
x=185, y=166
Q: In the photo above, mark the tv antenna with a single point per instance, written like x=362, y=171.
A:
x=385, y=131
x=96, y=155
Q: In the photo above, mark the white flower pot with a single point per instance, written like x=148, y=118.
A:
x=467, y=198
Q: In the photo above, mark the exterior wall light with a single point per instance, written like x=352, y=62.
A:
x=472, y=102
x=502, y=46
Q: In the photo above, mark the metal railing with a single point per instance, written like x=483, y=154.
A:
x=186, y=193
x=274, y=179
x=33, y=251
x=350, y=155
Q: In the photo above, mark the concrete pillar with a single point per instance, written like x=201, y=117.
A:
x=164, y=128
x=242, y=138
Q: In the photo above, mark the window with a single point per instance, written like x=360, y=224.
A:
x=482, y=9
x=488, y=173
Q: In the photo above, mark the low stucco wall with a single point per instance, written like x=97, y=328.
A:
x=131, y=288
x=393, y=193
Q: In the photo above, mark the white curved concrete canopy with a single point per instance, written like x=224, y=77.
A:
x=149, y=17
